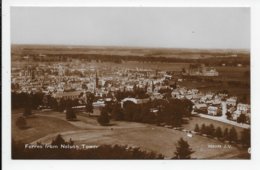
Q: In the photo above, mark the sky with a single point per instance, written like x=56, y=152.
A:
x=168, y=27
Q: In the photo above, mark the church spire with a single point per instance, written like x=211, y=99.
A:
x=96, y=79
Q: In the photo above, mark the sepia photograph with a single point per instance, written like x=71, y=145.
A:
x=150, y=83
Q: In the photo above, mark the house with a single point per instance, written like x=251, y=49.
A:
x=67, y=95
x=188, y=96
x=243, y=107
x=99, y=103
x=200, y=108
x=231, y=109
x=216, y=101
x=175, y=94
x=195, y=91
x=156, y=95
x=182, y=91
x=232, y=101
x=210, y=71
x=209, y=96
x=236, y=114
x=213, y=110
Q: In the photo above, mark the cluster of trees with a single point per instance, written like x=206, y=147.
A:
x=100, y=152
x=170, y=111
x=20, y=100
x=31, y=101
x=230, y=135
x=242, y=118
x=137, y=92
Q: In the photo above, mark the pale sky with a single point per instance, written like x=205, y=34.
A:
x=132, y=26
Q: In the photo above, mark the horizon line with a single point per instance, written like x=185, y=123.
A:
x=133, y=47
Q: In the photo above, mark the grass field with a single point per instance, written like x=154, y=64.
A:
x=46, y=125
x=39, y=126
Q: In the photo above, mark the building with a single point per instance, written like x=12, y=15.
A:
x=201, y=70
x=67, y=95
x=232, y=101
x=213, y=110
x=200, y=108
x=134, y=100
x=243, y=107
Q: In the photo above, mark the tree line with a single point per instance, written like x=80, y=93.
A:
x=171, y=111
x=230, y=134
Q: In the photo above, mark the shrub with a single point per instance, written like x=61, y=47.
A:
x=103, y=119
x=197, y=129
x=21, y=123
x=218, y=133
x=70, y=114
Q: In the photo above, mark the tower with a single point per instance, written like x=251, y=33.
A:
x=96, y=80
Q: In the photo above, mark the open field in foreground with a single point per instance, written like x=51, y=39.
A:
x=39, y=126
x=148, y=137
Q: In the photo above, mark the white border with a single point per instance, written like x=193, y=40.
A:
x=87, y=164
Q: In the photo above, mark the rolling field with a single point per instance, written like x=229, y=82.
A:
x=45, y=127
x=39, y=126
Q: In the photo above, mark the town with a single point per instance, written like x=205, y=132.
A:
x=76, y=80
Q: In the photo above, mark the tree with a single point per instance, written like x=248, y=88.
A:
x=229, y=116
x=58, y=140
x=210, y=130
x=89, y=107
x=246, y=137
x=226, y=134
x=197, y=128
x=203, y=129
x=117, y=112
x=45, y=100
x=21, y=122
x=176, y=111
x=188, y=107
x=241, y=118
x=27, y=111
x=70, y=114
x=130, y=109
x=233, y=135
x=183, y=150
x=153, y=86
x=103, y=119
x=218, y=133
x=27, y=105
